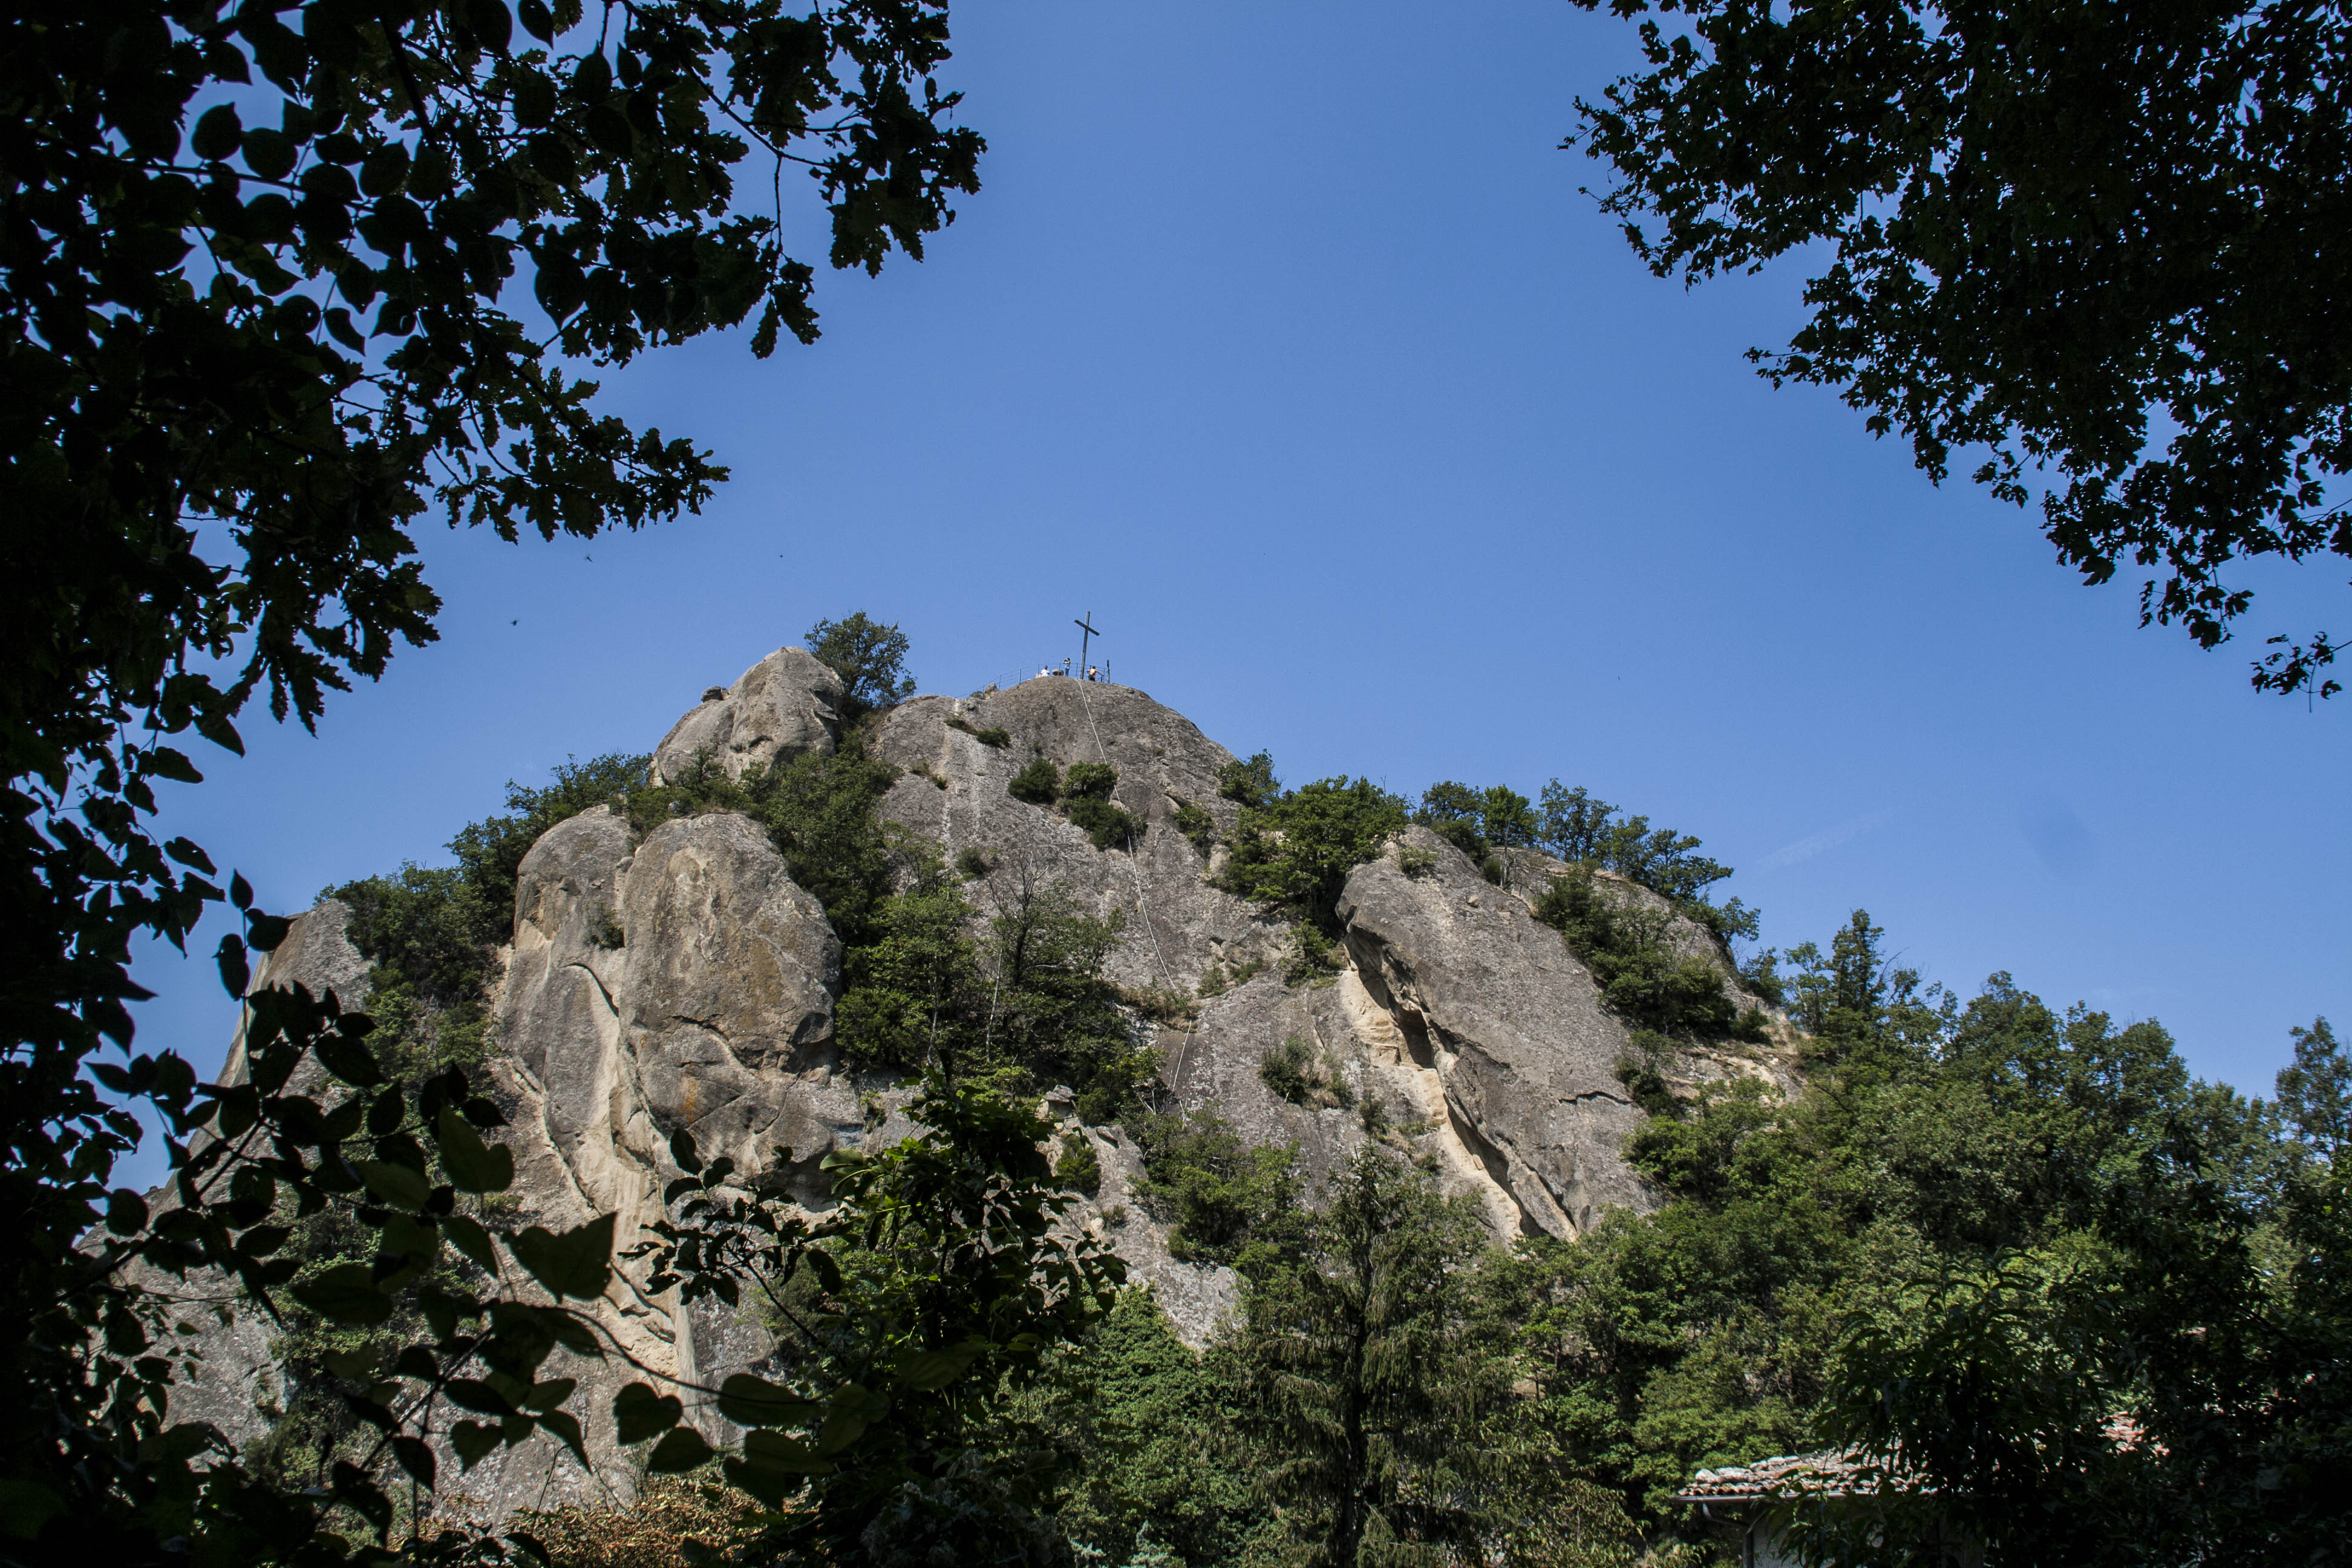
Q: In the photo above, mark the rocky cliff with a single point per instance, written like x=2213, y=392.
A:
x=683, y=981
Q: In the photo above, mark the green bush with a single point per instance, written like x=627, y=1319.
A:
x=1090, y=781
x=1105, y=824
x=488, y=852
x=1492, y=869
x=1624, y=943
x=1294, y=852
x=912, y=990
x=1478, y=822
x=1085, y=797
x=1216, y=980
x=1052, y=1014
x=1450, y=810
x=1304, y=1077
x=1251, y=783
x=1039, y=782
x=994, y=735
x=1315, y=958
x=1642, y=1070
x=1229, y=1202
x=1196, y=825
x=1078, y=1169
x=870, y=658
x=973, y=862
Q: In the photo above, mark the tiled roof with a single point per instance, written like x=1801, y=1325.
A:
x=1786, y=1475
x=1845, y=1473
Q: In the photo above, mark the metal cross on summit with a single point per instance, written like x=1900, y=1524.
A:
x=1084, y=623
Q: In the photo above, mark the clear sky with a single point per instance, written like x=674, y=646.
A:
x=1281, y=339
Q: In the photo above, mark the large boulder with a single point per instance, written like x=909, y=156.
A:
x=727, y=994
x=1495, y=1003
x=785, y=706
x=683, y=983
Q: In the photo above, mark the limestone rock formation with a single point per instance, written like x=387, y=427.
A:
x=785, y=706
x=683, y=981
x=1512, y=1025
x=952, y=792
x=241, y=1386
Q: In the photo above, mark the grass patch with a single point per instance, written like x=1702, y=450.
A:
x=994, y=735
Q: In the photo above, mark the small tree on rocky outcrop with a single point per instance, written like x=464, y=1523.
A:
x=870, y=658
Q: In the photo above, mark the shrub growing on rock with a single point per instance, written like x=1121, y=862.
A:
x=1230, y=1202
x=1624, y=943
x=1039, y=782
x=1197, y=825
x=1304, y=1077
x=870, y=658
x=1086, y=795
x=1250, y=782
x=1078, y=1169
x=1294, y=853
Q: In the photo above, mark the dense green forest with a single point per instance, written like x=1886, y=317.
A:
x=1983, y=1230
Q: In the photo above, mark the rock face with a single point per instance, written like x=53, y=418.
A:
x=1496, y=1004
x=784, y=707
x=683, y=982
x=953, y=793
x=241, y=1388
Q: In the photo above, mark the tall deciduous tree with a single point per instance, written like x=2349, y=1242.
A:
x=2096, y=243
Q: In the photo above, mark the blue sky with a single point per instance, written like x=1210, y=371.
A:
x=1281, y=339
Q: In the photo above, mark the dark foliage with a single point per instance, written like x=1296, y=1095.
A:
x=1623, y=941
x=490, y=851
x=1365, y=1384
x=1228, y=1202
x=254, y=282
x=1085, y=798
x=1197, y=825
x=2078, y=240
x=1038, y=781
x=939, y=1287
x=870, y=658
x=1251, y=783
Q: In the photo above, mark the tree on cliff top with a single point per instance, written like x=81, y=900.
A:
x=2082, y=238
x=870, y=658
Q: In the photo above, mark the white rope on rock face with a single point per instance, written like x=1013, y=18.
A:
x=1143, y=904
